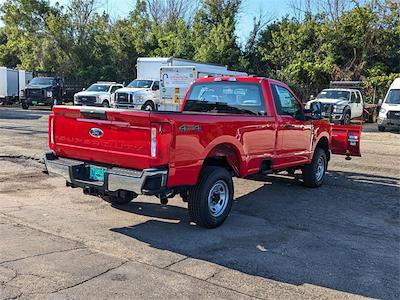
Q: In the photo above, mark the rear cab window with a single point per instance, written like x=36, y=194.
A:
x=226, y=97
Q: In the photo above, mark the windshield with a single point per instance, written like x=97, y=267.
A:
x=42, y=81
x=226, y=97
x=140, y=84
x=342, y=95
x=98, y=88
x=393, y=97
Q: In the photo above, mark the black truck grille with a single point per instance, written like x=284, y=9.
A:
x=122, y=98
x=34, y=93
x=394, y=115
x=326, y=110
x=87, y=99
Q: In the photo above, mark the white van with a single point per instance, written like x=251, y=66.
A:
x=389, y=115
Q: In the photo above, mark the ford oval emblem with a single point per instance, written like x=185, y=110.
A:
x=96, y=132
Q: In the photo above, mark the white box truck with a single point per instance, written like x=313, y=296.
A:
x=174, y=82
x=144, y=92
x=12, y=84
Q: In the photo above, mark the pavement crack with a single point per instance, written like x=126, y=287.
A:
x=91, y=278
x=41, y=254
x=213, y=275
x=174, y=263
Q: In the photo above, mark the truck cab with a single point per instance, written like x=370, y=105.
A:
x=389, y=114
x=98, y=94
x=341, y=104
x=140, y=94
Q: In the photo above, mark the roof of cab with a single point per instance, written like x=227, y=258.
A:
x=395, y=84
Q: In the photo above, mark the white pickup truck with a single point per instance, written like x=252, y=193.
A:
x=341, y=104
x=98, y=94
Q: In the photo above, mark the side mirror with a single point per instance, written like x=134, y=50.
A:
x=83, y=89
x=380, y=102
x=315, y=111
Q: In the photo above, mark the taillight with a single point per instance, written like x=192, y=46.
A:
x=153, y=142
x=51, y=132
x=161, y=134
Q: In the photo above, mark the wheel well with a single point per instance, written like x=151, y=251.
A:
x=323, y=143
x=224, y=156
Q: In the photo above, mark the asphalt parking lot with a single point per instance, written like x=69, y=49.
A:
x=282, y=240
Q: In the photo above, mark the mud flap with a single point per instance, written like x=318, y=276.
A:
x=346, y=140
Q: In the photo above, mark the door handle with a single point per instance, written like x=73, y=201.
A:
x=289, y=126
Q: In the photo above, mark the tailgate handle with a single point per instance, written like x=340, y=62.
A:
x=94, y=114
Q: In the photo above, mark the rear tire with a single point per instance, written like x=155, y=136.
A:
x=314, y=173
x=210, y=201
x=381, y=128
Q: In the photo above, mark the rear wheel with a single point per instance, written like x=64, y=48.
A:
x=210, y=201
x=314, y=173
x=148, y=106
x=381, y=128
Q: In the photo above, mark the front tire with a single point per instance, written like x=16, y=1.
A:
x=210, y=201
x=24, y=105
x=149, y=106
x=381, y=128
x=314, y=173
x=346, y=118
x=106, y=103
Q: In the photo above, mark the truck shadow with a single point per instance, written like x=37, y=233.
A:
x=343, y=236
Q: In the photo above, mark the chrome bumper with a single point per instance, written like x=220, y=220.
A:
x=116, y=179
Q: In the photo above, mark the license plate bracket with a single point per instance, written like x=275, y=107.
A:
x=97, y=173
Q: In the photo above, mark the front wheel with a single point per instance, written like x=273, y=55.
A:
x=106, y=103
x=314, y=173
x=149, y=106
x=381, y=128
x=346, y=118
x=210, y=201
x=24, y=105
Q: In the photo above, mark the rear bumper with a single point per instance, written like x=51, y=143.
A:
x=76, y=173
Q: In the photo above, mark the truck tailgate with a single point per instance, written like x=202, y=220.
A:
x=101, y=135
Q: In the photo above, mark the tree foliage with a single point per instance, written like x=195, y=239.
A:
x=331, y=41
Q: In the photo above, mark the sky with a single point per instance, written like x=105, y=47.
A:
x=251, y=8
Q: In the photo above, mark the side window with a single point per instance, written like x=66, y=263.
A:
x=156, y=86
x=357, y=98
x=114, y=88
x=285, y=102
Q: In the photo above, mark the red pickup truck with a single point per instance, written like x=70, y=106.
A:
x=227, y=127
